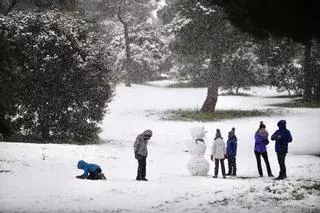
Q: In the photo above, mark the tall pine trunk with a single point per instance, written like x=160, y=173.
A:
x=213, y=82
x=307, y=72
x=317, y=73
x=44, y=126
x=209, y=104
x=127, y=46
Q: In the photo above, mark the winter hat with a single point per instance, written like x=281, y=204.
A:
x=232, y=133
x=282, y=123
x=262, y=125
x=218, y=134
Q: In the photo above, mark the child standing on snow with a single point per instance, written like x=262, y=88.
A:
x=90, y=171
x=218, y=154
x=141, y=153
x=260, y=148
x=232, y=152
x=282, y=137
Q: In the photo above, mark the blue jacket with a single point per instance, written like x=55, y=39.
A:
x=282, y=137
x=232, y=146
x=87, y=168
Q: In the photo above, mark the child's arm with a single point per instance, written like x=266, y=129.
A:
x=235, y=148
x=274, y=136
x=84, y=175
x=289, y=136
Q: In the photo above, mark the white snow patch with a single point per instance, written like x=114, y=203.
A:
x=41, y=177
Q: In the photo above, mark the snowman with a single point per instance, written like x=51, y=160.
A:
x=197, y=165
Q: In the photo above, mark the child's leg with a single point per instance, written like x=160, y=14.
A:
x=266, y=160
x=229, y=165
x=222, y=167
x=234, y=166
x=216, y=168
x=95, y=175
x=258, y=158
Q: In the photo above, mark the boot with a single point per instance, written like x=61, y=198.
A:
x=101, y=176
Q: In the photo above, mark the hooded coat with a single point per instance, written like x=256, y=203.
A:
x=282, y=137
x=140, y=145
x=232, y=144
x=87, y=168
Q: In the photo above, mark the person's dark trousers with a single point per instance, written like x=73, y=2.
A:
x=142, y=163
x=232, y=165
x=266, y=160
x=282, y=160
x=216, y=168
x=95, y=175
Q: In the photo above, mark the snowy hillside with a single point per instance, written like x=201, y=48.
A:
x=41, y=177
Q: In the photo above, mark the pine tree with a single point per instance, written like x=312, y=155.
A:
x=298, y=20
x=62, y=82
x=203, y=39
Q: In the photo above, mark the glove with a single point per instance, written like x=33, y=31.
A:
x=211, y=157
x=136, y=155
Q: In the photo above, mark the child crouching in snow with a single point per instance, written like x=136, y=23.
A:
x=91, y=171
x=218, y=154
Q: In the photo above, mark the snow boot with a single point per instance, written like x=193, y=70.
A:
x=101, y=176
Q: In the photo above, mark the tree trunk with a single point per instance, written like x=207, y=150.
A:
x=127, y=45
x=44, y=128
x=209, y=104
x=317, y=74
x=307, y=72
x=316, y=84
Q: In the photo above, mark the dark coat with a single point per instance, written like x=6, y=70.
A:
x=140, y=145
x=232, y=146
x=282, y=137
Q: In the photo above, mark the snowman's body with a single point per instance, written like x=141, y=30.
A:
x=197, y=165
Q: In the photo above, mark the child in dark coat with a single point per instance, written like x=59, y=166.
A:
x=232, y=152
x=282, y=137
x=90, y=171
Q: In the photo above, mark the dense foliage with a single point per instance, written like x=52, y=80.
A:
x=55, y=80
x=298, y=20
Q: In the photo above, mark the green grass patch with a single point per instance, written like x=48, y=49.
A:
x=299, y=103
x=235, y=94
x=284, y=96
x=185, y=85
x=196, y=115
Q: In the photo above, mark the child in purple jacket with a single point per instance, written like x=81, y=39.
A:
x=260, y=148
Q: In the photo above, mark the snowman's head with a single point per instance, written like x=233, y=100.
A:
x=198, y=132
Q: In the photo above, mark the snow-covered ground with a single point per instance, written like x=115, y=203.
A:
x=41, y=177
